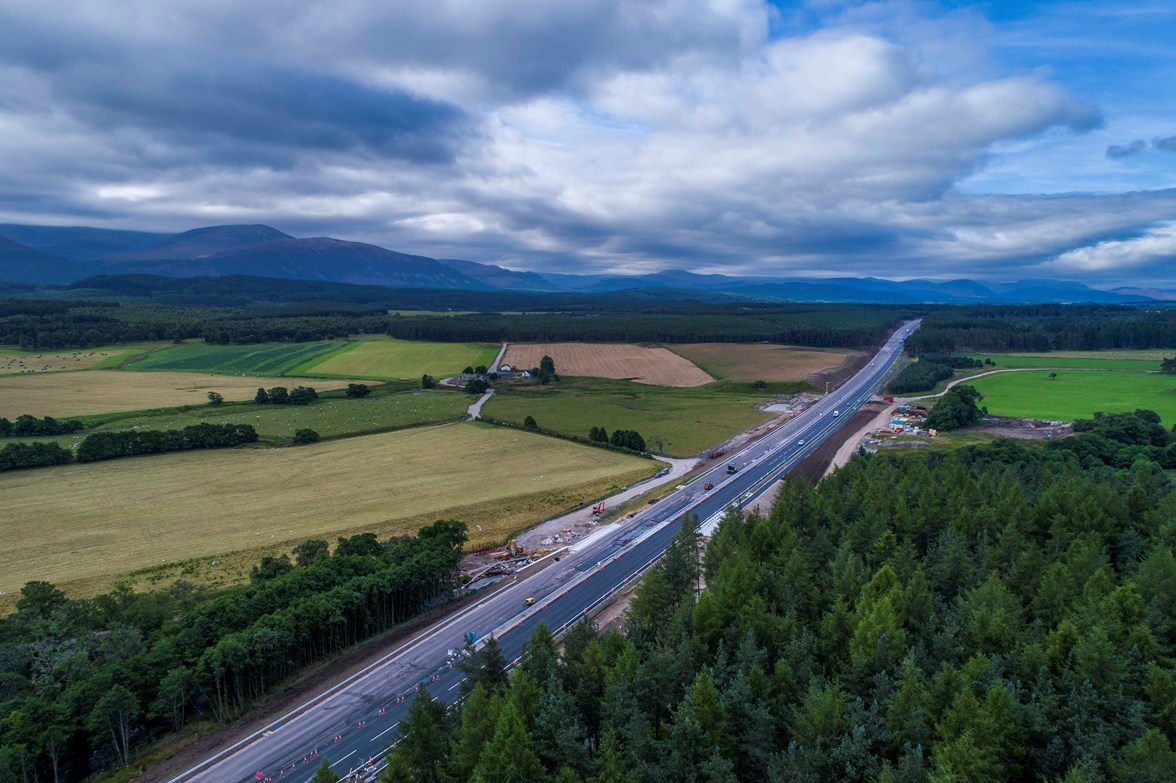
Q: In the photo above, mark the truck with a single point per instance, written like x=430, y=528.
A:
x=731, y=467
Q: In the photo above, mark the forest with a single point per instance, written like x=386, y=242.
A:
x=1009, y=328
x=85, y=682
x=36, y=325
x=998, y=613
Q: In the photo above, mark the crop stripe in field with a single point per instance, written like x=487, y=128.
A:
x=314, y=361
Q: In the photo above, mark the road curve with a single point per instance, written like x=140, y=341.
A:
x=355, y=721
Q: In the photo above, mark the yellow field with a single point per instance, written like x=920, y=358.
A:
x=399, y=359
x=18, y=362
x=107, y=391
x=742, y=362
x=85, y=526
x=637, y=363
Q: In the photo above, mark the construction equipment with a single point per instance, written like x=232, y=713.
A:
x=513, y=550
x=598, y=508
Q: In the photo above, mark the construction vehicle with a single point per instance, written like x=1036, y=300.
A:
x=513, y=550
x=731, y=467
x=598, y=508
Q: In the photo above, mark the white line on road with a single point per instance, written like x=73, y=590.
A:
x=385, y=731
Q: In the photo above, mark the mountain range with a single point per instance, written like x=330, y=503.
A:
x=55, y=256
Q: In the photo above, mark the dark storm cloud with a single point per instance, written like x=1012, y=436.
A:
x=266, y=107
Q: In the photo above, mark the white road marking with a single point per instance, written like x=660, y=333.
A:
x=385, y=731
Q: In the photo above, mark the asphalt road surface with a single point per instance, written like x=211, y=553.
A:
x=357, y=720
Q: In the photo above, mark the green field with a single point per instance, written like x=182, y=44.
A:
x=330, y=418
x=14, y=361
x=397, y=359
x=1077, y=394
x=259, y=359
x=1092, y=360
x=207, y=516
x=678, y=422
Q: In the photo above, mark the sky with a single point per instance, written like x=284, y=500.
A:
x=992, y=140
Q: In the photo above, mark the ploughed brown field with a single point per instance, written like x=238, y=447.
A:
x=641, y=364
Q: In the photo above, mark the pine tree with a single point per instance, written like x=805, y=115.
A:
x=323, y=773
x=508, y=757
x=424, y=749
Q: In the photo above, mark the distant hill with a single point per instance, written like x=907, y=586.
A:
x=1161, y=294
x=203, y=242
x=497, y=277
x=319, y=258
x=67, y=254
x=80, y=243
x=22, y=264
x=865, y=290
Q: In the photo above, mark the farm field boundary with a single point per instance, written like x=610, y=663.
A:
x=88, y=392
x=389, y=359
x=652, y=365
x=674, y=422
x=276, y=424
x=14, y=362
x=758, y=362
x=1093, y=360
x=1076, y=394
x=85, y=526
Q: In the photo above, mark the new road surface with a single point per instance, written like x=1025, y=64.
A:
x=357, y=720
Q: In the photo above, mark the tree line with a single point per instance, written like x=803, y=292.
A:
x=89, y=323
x=299, y=395
x=930, y=369
x=27, y=426
x=1001, y=613
x=1008, y=328
x=84, y=682
x=128, y=443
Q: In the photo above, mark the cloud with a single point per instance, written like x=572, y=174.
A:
x=1160, y=144
x=587, y=135
x=1155, y=249
x=1120, y=151
x=1165, y=144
